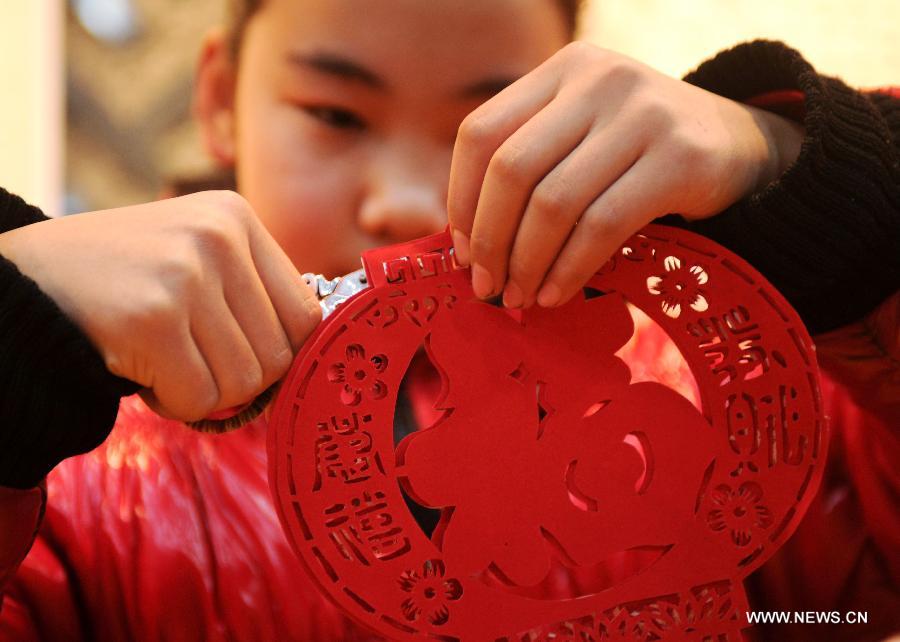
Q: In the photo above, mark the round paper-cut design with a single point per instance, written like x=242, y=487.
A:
x=575, y=504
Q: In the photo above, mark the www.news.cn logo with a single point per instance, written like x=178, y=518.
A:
x=807, y=617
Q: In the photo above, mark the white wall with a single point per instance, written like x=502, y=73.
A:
x=31, y=102
x=858, y=41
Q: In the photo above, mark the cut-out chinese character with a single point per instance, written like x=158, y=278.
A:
x=365, y=528
x=733, y=346
x=344, y=451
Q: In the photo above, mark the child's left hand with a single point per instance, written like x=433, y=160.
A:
x=554, y=173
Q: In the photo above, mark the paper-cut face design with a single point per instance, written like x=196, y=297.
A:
x=575, y=504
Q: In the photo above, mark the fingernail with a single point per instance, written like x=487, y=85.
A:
x=482, y=283
x=512, y=295
x=461, y=247
x=549, y=296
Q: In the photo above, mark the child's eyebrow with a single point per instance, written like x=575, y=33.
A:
x=345, y=68
x=336, y=65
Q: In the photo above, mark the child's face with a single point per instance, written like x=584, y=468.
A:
x=345, y=112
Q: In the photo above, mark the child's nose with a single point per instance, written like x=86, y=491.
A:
x=393, y=213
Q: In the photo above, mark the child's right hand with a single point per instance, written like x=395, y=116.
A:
x=550, y=176
x=189, y=297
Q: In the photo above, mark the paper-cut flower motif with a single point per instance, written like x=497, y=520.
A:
x=621, y=624
x=359, y=375
x=679, y=287
x=582, y=630
x=741, y=512
x=429, y=593
x=696, y=612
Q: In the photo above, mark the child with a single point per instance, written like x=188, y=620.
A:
x=342, y=130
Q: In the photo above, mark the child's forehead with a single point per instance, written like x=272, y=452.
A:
x=451, y=30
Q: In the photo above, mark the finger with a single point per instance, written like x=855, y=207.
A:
x=559, y=201
x=639, y=196
x=479, y=136
x=227, y=352
x=251, y=307
x=293, y=301
x=519, y=164
x=183, y=386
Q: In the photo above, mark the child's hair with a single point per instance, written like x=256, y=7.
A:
x=242, y=10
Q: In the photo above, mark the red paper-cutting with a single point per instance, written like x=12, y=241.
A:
x=575, y=505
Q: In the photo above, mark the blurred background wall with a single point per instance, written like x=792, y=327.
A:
x=126, y=68
x=129, y=74
x=31, y=100
x=858, y=41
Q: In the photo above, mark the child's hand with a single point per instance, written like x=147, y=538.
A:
x=189, y=297
x=555, y=172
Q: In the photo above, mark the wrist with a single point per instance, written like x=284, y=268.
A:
x=783, y=139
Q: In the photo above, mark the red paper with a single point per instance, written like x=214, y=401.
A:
x=575, y=505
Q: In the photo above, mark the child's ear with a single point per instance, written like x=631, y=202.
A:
x=214, y=88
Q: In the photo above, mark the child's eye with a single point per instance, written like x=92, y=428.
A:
x=336, y=117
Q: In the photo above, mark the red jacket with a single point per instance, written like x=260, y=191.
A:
x=160, y=533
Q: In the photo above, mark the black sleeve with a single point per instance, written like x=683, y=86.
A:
x=827, y=233
x=57, y=399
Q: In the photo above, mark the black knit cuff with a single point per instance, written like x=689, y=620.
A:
x=826, y=233
x=56, y=395
x=14, y=212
